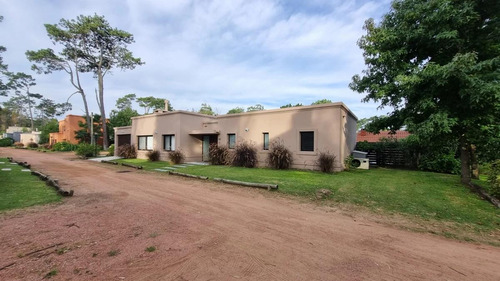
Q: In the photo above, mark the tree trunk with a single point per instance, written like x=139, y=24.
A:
x=474, y=163
x=100, y=79
x=87, y=115
x=465, y=176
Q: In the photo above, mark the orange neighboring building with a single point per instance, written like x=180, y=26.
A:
x=67, y=128
x=370, y=137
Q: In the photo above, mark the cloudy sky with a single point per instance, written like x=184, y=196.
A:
x=226, y=53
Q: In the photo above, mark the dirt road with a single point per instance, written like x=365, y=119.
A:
x=208, y=231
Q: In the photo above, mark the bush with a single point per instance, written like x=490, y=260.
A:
x=218, y=154
x=87, y=150
x=111, y=150
x=6, y=142
x=46, y=146
x=176, y=156
x=493, y=179
x=444, y=163
x=32, y=145
x=245, y=155
x=153, y=155
x=279, y=156
x=126, y=151
x=326, y=161
x=64, y=146
x=18, y=144
x=348, y=163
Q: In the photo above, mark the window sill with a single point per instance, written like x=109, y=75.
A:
x=310, y=153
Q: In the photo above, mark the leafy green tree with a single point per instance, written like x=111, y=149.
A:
x=21, y=83
x=3, y=70
x=257, y=107
x=437, y=64
x=122, y=118
x=290, y=105
x=51, y=126
x=370, y=124
x=152, y=103
x=206, y=109
x=83, y=135
x=125, y=101
x=95, y=47
x=323, y=101
x=236, y=110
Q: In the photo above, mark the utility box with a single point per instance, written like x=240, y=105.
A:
x=359, y=154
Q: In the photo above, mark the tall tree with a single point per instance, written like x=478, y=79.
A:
x=94, y=46
x=323, y=101
x=3, y=70
x=152, y=103
x=290, y=105
x=48, y=109
x=21, y=83
x=125, y=101
x=206, y=109
x=236, y=110
x=257, y=107
x=437, y=64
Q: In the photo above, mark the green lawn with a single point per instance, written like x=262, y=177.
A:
x=21, y=189
x=415, y=194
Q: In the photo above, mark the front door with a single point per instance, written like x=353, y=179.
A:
x=206, y=148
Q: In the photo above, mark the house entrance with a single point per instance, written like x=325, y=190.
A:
x=207, y=141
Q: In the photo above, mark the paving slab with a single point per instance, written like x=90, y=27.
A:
x=25, y=170
x=6, y=169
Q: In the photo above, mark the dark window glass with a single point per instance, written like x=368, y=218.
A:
x=306, y=141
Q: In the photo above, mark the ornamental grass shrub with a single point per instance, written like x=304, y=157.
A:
x=176, y=156
x=245, y=155
x=18, y=144
x=218, y=154
x=326, y=161
x=279, y=157
x=32, y=145
x=126, y=151
x=153, y=155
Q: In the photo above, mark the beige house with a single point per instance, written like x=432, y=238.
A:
x=305, y=130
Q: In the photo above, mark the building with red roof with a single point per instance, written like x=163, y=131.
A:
x=370, y=137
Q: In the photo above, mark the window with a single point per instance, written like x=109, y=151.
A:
x=169, y=142
x=266, y=141
x=145, y=143
x=231, y=140
x=306, y=141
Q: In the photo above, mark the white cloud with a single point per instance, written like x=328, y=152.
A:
x=225, y=53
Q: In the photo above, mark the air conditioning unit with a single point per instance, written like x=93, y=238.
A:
x=361, y=163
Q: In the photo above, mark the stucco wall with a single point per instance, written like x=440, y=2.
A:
x=334, y=128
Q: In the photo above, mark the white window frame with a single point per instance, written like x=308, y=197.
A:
x=144, y=142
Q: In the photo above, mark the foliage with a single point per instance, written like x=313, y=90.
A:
x=126, y=151
x=3, y=70
x=348, y=164
x=111, y=150
x=64, y=146
x=441, y=163
x=257, y=107
x=87, y=150
x=176, y=156
x=153, y=155
x=290, y=105
x=236, y=110
x=436, y=64
x=52, y=126
x=125, y=102
x=153, y=103
x=6, y=142
x=32, y=145
x=245, y=155
x=94, y=46
x=83, y=135
x=323, y=101
x=494, y=179
x=122, y=117
x=279, y=157
x=20, y=189
x=218, y=154
x=326, y=161
x=206, y=109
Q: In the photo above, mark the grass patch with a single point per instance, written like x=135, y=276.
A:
x=150, y=249
x=413, y=193
x=146, y=164
x=113, y=253
x=21, y=189
x=50, y=274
